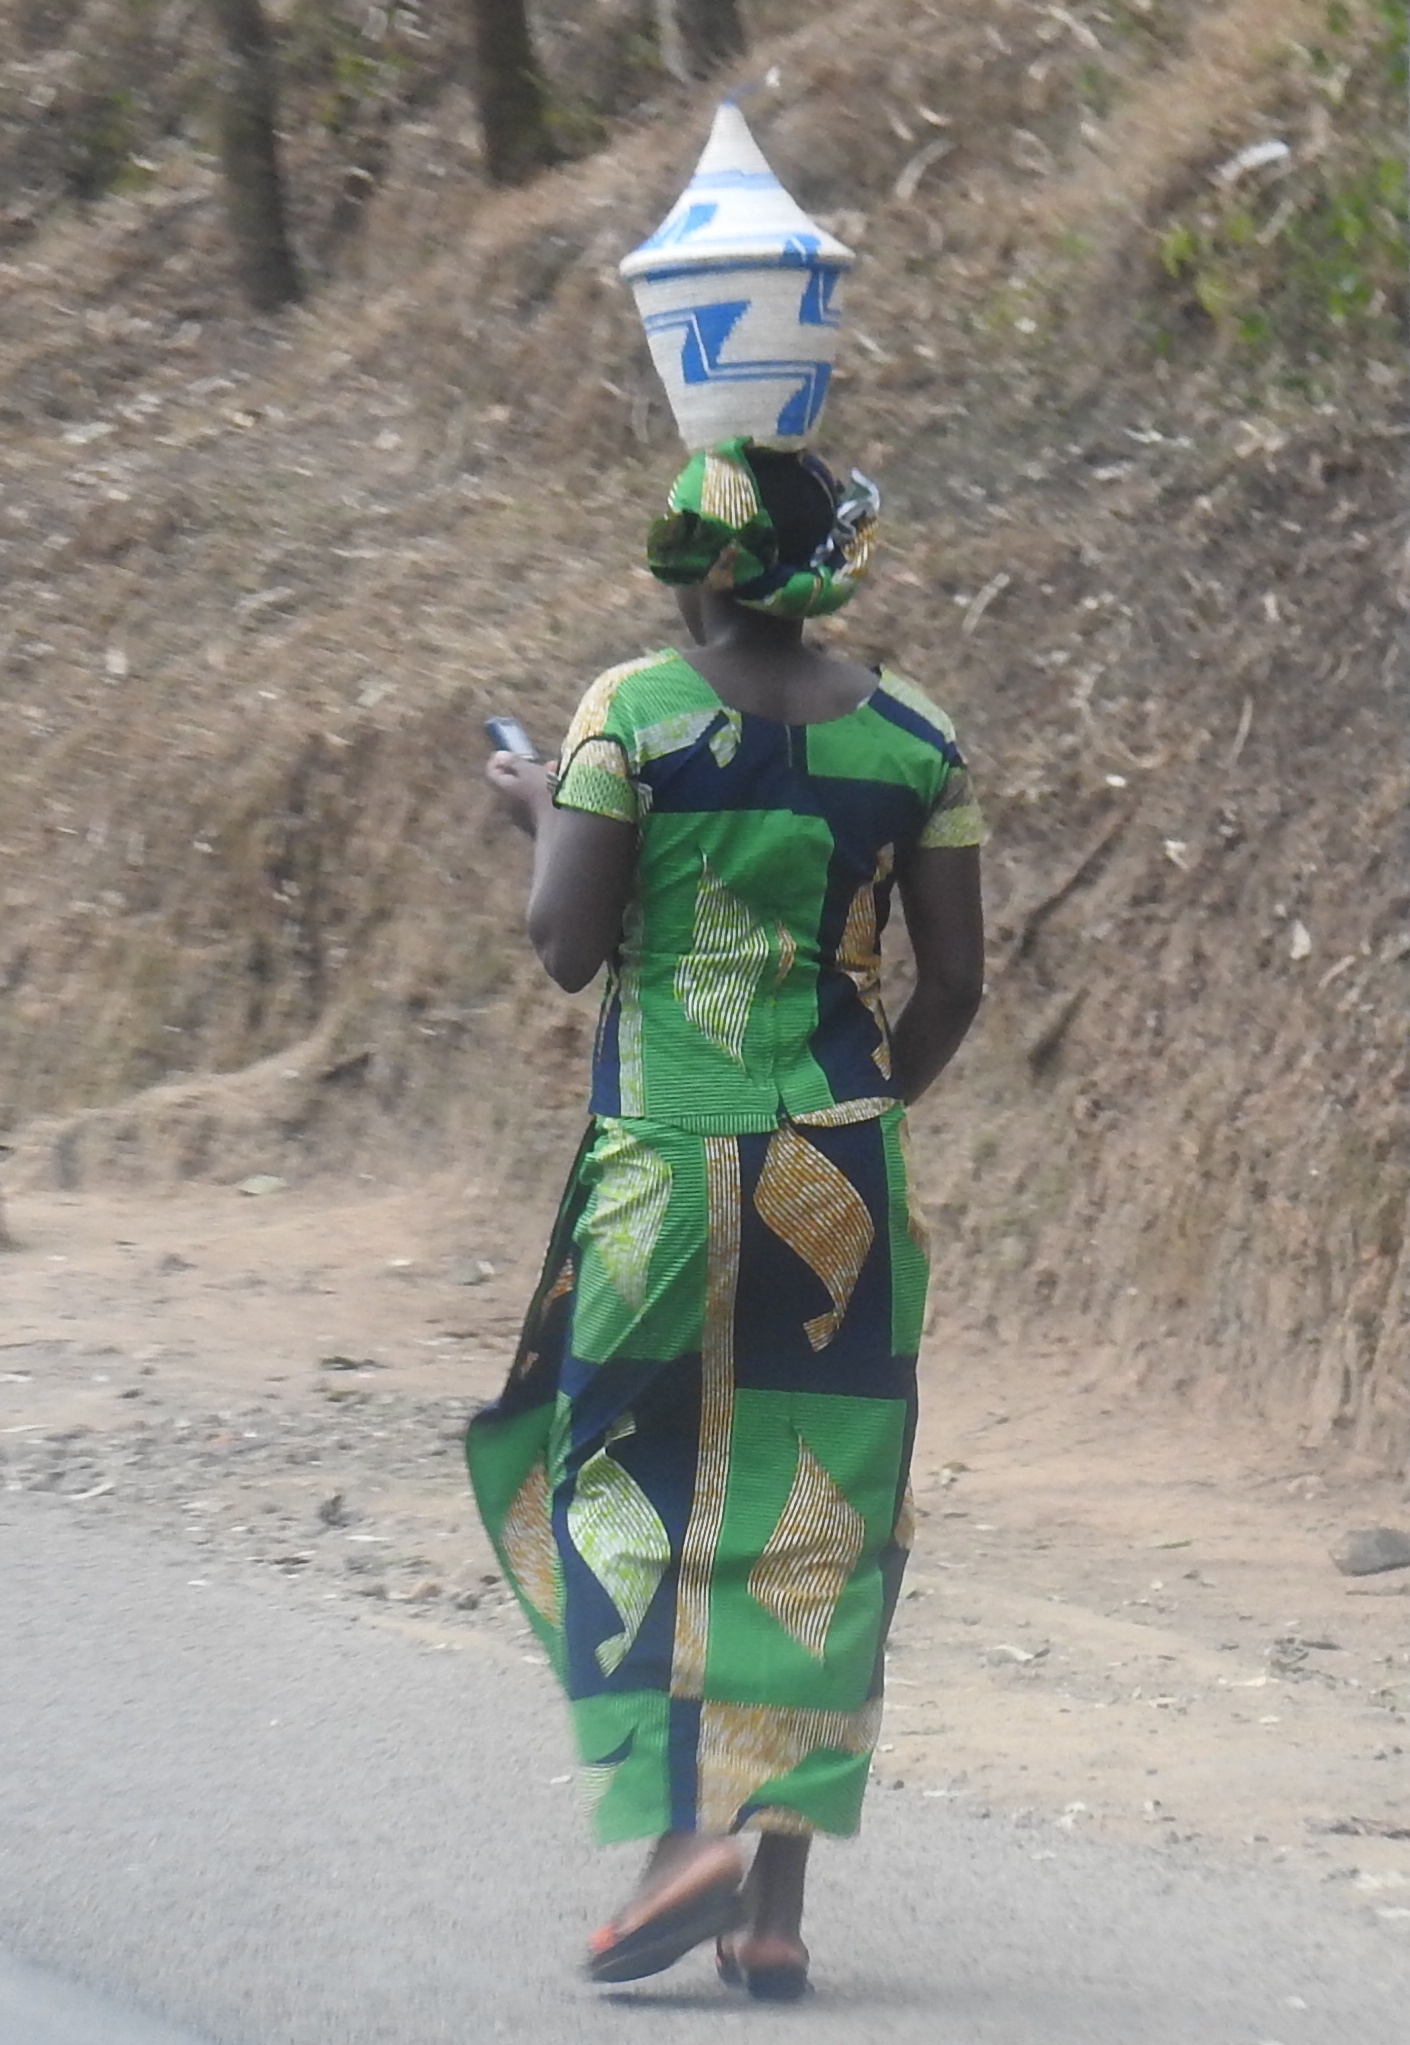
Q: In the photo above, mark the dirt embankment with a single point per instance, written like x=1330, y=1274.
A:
x=264, y=580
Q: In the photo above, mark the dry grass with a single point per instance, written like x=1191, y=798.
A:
x=265, y=579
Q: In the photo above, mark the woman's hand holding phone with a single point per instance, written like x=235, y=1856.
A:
x=517, y=774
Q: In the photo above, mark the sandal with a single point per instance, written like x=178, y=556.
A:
x=787, y=1982
x=665, y=1937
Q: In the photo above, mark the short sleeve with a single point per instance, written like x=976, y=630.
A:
x=955, y=819
x=596, y=768
x=594, y=778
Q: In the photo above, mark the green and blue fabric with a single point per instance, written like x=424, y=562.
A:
x=749, y=980
x=697, y=1475
x=717, y=534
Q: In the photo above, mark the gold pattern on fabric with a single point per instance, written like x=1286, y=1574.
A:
x=527, y=1539
x=721, y=575
x=917, y=1227
x=561, y=1286
x=628, y=1210
x=744, y=1746
x=590, y=717
x=623, y=1540
x=859, y=551
x=707, y=1506
x=956, y=820
x=818, y=1212
x=717, y=979
x=595, y=779
x=843, y=1114
x=594, y=1781
x=787, y=953
x=630, y=1031
x=672, y=734
x=917, y=700
x=522, y=1367
x=859, y=955
x=808, y=1559
x=728, y=493
x=727, y=740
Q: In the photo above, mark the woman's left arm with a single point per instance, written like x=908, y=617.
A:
x=944, y=911
x=584, y=866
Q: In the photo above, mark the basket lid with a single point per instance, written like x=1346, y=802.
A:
x=735, y=210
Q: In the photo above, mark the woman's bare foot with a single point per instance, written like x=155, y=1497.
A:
x=767, y=1954
x=689, y=1892
x=682, y=1864
x=744, y=1955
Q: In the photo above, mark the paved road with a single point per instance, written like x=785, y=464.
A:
x=39, y=2009
x=228, y=1812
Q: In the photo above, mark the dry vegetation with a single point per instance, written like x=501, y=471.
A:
x=1140, y=419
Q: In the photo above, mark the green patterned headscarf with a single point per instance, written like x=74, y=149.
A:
x=718, y=534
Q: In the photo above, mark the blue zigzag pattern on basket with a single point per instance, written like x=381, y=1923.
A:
x=706, y=329
x=690, y=222
x=733, y=181
x=800, y=251
x=819, y=307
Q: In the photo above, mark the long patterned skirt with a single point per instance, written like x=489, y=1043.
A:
x=696, y=1478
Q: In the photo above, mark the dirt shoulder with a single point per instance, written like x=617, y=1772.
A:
x=1121, y=1615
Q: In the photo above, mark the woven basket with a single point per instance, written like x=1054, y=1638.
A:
x=738, y=291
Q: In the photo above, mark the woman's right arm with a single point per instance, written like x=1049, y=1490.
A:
x=584, y=866
x=943, y=908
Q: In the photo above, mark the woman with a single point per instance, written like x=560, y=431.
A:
x=696, y=1478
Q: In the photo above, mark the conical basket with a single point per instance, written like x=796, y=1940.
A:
x=738, y=291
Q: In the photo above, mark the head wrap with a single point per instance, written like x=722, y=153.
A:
x=718, y=533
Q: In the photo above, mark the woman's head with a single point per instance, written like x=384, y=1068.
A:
x=777, y=532
x=800, y=497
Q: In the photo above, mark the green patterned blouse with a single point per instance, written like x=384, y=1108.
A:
x=747, y=989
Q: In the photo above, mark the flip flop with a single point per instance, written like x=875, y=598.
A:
x=727, y=1966
x=777, y=1984
x=786, y=1983
x=666, y=1937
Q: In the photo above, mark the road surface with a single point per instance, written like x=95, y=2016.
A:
x=229, y=1816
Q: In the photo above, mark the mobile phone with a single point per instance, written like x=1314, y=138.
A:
x=507, y=735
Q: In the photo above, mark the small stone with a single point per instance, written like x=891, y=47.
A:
x=260, y=1183
x=476, y=1271
x=421, y=1593
x=333, y=1511
x=467, y=1601
x=1369, y=1549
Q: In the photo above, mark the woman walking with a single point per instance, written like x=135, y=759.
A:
x=697, y=1476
